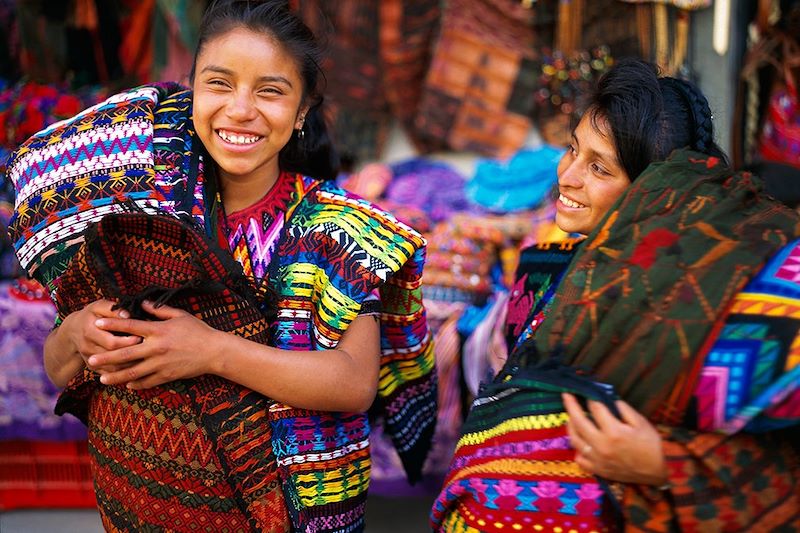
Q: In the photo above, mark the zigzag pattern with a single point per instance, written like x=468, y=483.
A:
x=768, y=305
x=132, y=506
x=138, y=422
x=129, y=147
x=90, y=189
x=746, y=379
x=53, y=246
x=514, y=458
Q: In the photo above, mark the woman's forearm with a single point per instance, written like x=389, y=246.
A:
x=341, y=379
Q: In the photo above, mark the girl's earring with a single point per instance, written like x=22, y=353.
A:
x=301, y=133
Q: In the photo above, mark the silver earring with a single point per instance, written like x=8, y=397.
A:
x=301, y=133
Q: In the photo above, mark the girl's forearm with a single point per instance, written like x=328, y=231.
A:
x=342, y=379
x=61, y=360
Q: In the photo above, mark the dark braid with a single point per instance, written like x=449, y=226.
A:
x=700, y=112
x=699, y=131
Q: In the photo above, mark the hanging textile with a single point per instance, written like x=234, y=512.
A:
x=175, y=30
x=478, y=92
x=663, y=28
x=378, y=55
x=767, y=113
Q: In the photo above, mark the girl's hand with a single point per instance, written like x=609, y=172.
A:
x=87, y=339
x=68, y=347
x=175, y=346
x=627, y=450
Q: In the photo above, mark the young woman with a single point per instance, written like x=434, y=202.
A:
x=247, y=155
x=679, y=299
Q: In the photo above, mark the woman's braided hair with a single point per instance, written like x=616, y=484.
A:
x=699, y=110
x=650, y=116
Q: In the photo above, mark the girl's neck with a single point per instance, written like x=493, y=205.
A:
x=240, y=194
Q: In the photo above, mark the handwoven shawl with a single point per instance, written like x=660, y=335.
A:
x=649, y=288
x=139, y=146
x=211, y=423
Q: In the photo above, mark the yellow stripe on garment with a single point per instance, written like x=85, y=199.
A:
x=393, y=375
x=765, y=304
x=515, y=424
x=375, y=238
x=320, y=488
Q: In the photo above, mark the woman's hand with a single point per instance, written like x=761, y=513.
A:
x=627, y=450
x=175, y=346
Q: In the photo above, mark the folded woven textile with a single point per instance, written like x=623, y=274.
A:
x=128, y=257
x=514, y=468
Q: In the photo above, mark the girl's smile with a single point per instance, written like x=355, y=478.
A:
x=248, y=100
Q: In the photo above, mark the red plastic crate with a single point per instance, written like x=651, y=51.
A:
x=45, y=474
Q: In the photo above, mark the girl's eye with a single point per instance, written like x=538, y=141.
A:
x=270, y=91
x=571, y=149
x=597, y=168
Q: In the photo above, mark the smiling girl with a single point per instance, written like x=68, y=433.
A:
x=246, y=153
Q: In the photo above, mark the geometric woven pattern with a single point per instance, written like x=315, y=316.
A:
x=209, y=422
x=721, y=483
x=751, y=376
x=335, y=250
x=514, y=467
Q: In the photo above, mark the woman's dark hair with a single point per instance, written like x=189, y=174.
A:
x=649, y=117
x=313, y=154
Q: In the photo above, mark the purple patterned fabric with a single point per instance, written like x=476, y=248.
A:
x=432, y=186
x=27, y=397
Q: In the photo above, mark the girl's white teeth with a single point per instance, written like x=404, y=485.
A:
x=569, y=203
x=237, y=139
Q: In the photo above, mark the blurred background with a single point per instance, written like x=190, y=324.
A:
x=450, y=114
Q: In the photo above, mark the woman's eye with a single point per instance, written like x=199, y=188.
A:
x=571, y=149
x=597, y=168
